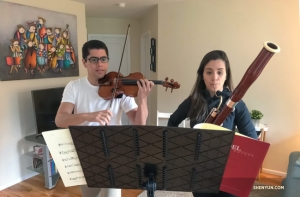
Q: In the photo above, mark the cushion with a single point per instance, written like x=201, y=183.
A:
x=298, y=162
x=291, y=187
x=293, y=169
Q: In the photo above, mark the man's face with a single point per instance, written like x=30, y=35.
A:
x=96, y=70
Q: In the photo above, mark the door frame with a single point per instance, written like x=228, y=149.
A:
x=145, y=64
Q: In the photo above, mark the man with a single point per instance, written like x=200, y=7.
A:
x=81, y=95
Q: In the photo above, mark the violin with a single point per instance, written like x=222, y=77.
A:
x=127, y=85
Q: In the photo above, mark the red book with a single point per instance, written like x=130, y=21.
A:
x=243, y=163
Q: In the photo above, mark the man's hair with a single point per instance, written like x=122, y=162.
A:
x=93, y=44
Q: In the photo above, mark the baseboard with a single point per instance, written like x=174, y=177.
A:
x=274, y=172
x=2, y=187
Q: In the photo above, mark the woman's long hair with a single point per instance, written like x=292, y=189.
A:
x=199, y=107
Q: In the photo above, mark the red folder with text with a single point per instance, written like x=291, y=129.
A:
x=243, y=164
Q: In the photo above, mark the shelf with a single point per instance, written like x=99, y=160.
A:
x=50, y=180
x=40, y=171
x=31, y=154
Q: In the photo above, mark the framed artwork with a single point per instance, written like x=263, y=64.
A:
x=36, y=43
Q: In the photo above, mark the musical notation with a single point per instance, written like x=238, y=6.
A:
x=70, y=159
x=74, y=171
x=77, y=178
x=62, y=149
x=67, y=152
x=72, y=165
x=65, y=144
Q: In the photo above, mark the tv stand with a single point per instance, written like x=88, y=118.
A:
x=50, y=179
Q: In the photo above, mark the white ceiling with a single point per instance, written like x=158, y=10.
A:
x=110, y=8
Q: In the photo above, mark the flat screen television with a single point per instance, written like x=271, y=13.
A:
x=45, y=105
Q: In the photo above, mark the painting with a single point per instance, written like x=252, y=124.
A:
x=36, y=43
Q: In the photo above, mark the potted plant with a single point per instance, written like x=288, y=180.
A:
x=256, y=116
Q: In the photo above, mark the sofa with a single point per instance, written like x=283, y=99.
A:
x=291, y=182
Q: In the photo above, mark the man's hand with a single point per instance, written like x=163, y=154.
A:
x=103, y=117
x=145, y=88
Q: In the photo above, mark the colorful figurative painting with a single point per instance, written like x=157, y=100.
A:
x=36, y=43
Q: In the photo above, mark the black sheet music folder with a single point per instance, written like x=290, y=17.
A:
x=152, y=157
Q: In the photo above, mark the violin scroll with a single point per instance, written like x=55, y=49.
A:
x=171, y=84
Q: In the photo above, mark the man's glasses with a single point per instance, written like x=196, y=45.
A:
x=94, y=60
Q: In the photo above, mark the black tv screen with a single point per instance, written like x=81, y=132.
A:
x=45, y=104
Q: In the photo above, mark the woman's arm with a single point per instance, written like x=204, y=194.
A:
x=180, y=114
x=243, y=120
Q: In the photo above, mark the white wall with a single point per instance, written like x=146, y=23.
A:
x=16, y=114
x=119, y=26
x=150, y=23
x=187, y=30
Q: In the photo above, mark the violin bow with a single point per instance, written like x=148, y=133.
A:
x=117, y=79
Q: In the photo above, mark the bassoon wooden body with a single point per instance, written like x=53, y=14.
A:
x=217, y=117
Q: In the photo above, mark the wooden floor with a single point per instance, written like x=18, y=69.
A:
x=35, y=187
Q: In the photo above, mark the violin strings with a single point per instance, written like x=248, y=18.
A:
x=133, y=81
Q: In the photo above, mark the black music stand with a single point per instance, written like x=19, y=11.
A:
x=152, y=157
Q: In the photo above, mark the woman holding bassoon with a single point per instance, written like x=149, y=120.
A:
x=213, y=87
x=213, y=99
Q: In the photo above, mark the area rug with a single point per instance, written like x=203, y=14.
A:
x=254, y=193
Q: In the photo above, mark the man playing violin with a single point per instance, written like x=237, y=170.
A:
x=81, y=97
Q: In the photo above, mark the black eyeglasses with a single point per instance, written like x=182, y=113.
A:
x=94, y=60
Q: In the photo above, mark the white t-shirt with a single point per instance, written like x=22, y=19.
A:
x=85, y=97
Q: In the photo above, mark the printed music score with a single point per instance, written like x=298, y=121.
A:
x=62, y=149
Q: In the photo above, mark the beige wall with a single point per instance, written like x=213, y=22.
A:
x=150, y=23
x=119, y=26
x=16, y=114
x=187, y=30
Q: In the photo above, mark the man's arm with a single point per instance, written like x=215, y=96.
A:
x=65, y=118
x=138, y=116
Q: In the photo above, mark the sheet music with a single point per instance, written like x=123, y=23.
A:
x=62, y=149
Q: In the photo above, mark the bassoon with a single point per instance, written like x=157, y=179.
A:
x=217, y=116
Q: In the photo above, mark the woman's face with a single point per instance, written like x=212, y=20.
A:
x=214, y=76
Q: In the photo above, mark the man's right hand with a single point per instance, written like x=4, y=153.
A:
x=103, y=117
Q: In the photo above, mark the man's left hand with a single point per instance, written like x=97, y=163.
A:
x=145, y=88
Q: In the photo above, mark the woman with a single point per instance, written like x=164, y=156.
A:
x=214, y=77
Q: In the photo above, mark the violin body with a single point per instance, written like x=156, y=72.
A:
x=108, y=83
x=112, y=85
